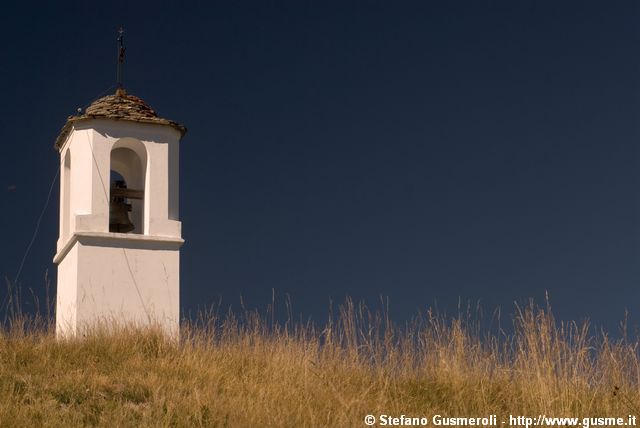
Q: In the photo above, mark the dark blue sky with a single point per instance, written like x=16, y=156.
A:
x=424, y=151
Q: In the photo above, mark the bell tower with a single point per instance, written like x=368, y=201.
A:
x=118, y=252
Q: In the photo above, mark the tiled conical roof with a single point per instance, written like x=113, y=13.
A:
x=119, y=106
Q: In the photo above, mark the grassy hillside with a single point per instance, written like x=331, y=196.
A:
x=249, y=372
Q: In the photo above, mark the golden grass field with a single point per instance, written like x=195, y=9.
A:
x=252, y=372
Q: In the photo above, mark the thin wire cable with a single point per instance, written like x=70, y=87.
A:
x=46, y=205
x=35, y=232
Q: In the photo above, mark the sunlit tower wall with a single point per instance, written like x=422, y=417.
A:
x=118, y=252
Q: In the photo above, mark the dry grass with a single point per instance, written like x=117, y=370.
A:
x=252, y=372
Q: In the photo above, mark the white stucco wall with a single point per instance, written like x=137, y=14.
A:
x=111, y=279
x=103, y=276
x=67, y=292
x=141, y=286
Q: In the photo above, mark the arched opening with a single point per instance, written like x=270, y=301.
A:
x=65, y=214
x=127, y=190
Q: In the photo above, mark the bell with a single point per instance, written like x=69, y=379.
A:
x=119, y=212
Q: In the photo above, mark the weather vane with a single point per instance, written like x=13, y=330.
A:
x=121, y=50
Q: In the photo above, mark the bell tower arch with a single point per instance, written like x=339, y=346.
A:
x=118, y=252
x=128, y=166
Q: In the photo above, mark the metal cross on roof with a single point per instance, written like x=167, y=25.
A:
x=121, y=50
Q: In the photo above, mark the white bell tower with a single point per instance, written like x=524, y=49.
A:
x=118, y=253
